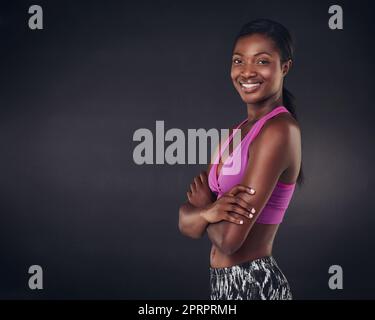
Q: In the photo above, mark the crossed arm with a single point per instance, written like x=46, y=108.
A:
x=269, y=157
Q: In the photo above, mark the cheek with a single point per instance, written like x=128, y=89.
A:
x=233, y=74
x=273, y=76
x=268, y=73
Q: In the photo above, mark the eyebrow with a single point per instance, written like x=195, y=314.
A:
x=257, y=54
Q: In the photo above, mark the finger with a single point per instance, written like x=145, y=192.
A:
x=239, y=188
x=193, y=187
x=197, y=181
x=249, y=190
x=245, y=201
x=244, y=204
x=204, y=177
x=230, y=218
x=239, y=210
x=237, y=201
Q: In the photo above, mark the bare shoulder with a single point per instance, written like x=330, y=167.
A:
x=281, y=135
x=282, y=126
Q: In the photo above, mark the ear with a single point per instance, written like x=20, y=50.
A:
x=286, y=66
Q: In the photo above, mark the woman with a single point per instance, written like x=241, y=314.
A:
x=241, y=211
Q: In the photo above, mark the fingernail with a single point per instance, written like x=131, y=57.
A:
x=250, y=215
x=252, y=210
x=241, y=221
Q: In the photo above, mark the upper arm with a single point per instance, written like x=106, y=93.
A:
x=270, y=155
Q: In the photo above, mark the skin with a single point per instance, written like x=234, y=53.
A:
x=275, y=156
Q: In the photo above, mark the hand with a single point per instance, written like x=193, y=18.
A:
x=229, y=206
x=200, y=194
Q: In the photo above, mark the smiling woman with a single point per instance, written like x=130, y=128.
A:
x=241, y=212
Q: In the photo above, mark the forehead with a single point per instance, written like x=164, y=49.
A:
x=252, y=44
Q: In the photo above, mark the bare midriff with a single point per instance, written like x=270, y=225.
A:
x=258, y=244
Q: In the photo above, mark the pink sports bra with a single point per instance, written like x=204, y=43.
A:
x=273, y=211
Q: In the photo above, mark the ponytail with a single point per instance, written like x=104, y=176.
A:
x=289, y=103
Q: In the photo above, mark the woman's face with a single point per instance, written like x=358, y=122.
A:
x=256, y=72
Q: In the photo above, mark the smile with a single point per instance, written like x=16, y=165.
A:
x=250, y=87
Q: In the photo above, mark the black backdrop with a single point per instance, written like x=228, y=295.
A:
x=72, y=96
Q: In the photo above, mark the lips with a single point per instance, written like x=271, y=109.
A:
x=250, y=87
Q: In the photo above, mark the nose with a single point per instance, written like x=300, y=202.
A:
x=248, y=71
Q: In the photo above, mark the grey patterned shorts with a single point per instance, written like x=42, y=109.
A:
x=259, y=279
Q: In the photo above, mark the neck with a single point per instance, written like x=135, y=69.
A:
x=257, y=110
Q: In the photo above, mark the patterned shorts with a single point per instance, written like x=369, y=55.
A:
x=259, y=279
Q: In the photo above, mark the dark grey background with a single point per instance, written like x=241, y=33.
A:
x=72, y=95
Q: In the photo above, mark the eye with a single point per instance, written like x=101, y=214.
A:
x=236, y=61
x=264, y=61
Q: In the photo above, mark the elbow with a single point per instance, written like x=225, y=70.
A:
x=184, y=229
x=181, y=226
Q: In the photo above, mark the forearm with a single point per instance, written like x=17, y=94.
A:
x=191, y=223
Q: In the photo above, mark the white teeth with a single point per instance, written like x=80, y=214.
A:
x=250, y=85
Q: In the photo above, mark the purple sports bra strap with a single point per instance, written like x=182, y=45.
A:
x=253, y=131
x=260, y=123
x=227, y=141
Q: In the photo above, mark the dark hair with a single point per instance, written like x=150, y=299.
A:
x=282, y=39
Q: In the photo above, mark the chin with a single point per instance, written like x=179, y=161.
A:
x=252, y=99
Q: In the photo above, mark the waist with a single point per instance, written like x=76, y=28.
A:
x=260, y=263
x=258, y=243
